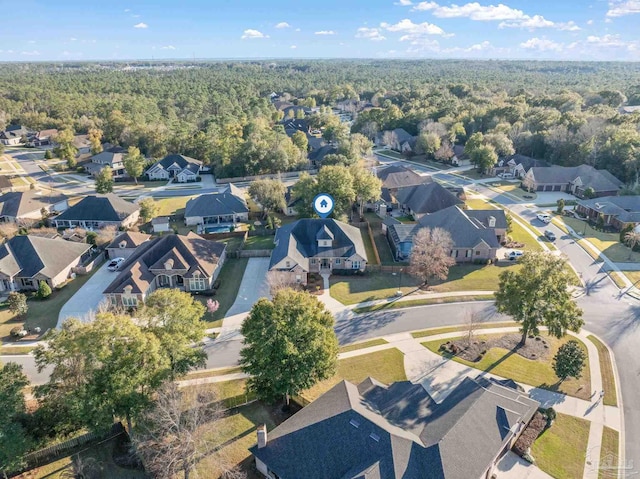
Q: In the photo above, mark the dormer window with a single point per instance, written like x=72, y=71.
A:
x=492, y=221
x=122, y=244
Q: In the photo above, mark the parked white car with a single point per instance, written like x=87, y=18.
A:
x=505, y=175
x=514, y=255
x=114, y=264
x=545, y=218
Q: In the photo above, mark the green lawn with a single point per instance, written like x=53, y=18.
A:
x=233, y=243
x=173, y=205
x=43, y=313
x=15, y=350
x=423, y=302
x=474, y=174
x=609, y=454
x=514, y=189
x=386, y=366
x=561, y=450
x=538, y=373
x=374, y=286
x=608, y=243
x=101, y=454
x=380, y=239
x=230, y=278
x=368, y=245
x=453, y=329
x=606, y=368
x=634, y=276
x=363, y=345
x=210, y=374
x=259, y=242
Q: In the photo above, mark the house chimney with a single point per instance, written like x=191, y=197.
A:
x=262, y=436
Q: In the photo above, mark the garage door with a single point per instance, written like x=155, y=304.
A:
x=557, y=188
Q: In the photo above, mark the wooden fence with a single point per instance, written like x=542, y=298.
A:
x=377, y=268
x=56, y=451
x=254, y=253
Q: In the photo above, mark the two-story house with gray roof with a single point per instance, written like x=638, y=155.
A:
x=317, y=246
x=112, y=157
x=476, y=234
x=375, y=431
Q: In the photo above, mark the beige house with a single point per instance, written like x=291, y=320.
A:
x=125, y=245
x=188, y=263
x=323, y=246
x=29, y=206
x=27, y=260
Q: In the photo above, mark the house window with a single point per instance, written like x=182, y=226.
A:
x=469, y=253
x=130, y=301
x=337, y=260
x=355, y=265
x=298, y=278
x=477, y=253
x=197, y=284
x=288, y=264
x=313, y=261
x=163, y=280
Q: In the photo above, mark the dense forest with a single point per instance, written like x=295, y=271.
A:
x=566, y=113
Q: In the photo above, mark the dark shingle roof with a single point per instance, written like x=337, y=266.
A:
x=30, y=255
x=109, y=157
x=427, y=198
x=107, y=207
x=179, y=160
x=18, y=203
x=599, y=180
x=215, y=204
x=398, y=176
x=299, y=241
x=319, y=154
x=397, y=431
x=131, y=239
x=467, y=227
x=191, y=253
x=526, y=161
x=403, y=135
x=625, y=208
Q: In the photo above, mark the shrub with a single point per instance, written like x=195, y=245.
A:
x=537, y=424
x=92, y=237
x=44, y=290
x=18, y=303
x=48, y=155
x=17, y=332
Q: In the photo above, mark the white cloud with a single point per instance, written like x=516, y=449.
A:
x=542, y=45
x=72, y=39
x=30, y=53
x=619, y=8
x=403, y=3
x=293, y=47
x=141, y=25
x=168, y=47
x=297, y=29
x=31, y=42
x=126, y=10
x=283, y=25
x=407, y=26
x=589, y=22
x=372, y=34
x=135, y=16
x=325, y=32
x=509, y=17
x=607, y=41
x=608, y=20
x=251, y=34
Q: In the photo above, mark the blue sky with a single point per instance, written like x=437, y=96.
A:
x=512, y=29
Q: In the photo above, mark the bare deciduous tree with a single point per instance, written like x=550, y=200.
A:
x=472, y=322
x=106, y=235
x=8, y=230
x=278, y=281
x=431, y=254
x=179, y=431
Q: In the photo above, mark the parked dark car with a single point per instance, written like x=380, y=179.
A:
x=550, y=235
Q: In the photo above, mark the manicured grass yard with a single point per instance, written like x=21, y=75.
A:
x=380, y=239
x=259, y=242
x=230, y=278
x=423, y=302
x=608, y=243
x=538, y=373
x=634, y=276
x=373, y=286
x=473, y=174
x=606, y=368
x=368, y=245
x=386, y=366
x=173, y=205
x=561, y=450
x=365, y=344
x=42, y=313
x=453, y=329
x=609, y=454
x=513, y=188
x=233, y=243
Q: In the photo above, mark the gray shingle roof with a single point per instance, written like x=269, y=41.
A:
x=107, y=207
x=215, y=204
x=131, y=239
x=109, y=157
x=298, y=241
x=467, y=228
x=18, y=203
x=398, y=176
x=403, y=135
x=397, y=431
x=427, y=198
x=191, y=253
x=30, y=255
x=599, y=180
x=625, y=208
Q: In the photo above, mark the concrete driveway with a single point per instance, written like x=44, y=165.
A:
x=85, y=302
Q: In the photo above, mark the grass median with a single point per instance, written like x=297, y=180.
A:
x=606, y=371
